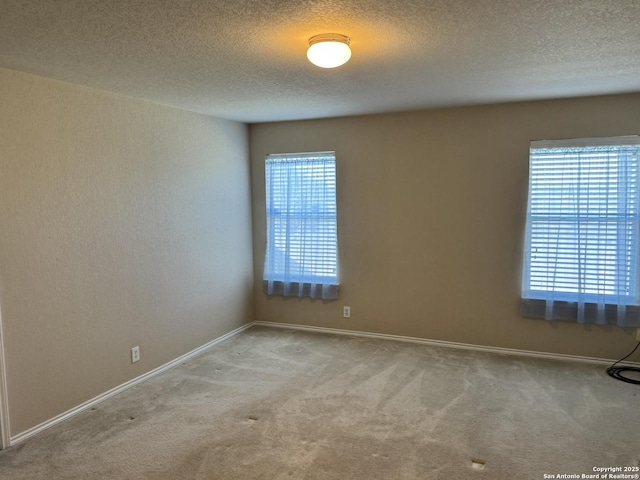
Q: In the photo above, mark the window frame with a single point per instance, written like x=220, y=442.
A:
x=615, y=296
x=315, y=250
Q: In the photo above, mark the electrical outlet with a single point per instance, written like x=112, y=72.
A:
x=135, y=354
x=346, y=312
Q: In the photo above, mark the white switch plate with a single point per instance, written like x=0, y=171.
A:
x=135, y=354
x=346, y=312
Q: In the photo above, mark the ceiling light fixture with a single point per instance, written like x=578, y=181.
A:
x=329, y=50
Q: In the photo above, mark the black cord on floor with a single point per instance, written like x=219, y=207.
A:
x=617, y=372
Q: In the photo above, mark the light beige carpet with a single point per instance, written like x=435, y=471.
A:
x=277, y=404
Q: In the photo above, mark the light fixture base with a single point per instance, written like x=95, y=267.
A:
x=330, y=37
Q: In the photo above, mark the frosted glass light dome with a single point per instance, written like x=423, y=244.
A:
x=329, y=50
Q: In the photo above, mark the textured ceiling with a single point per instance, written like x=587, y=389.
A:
x=245, y=59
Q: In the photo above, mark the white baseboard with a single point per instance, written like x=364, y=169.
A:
x=5, y=428
x=442, y=343
x=335, y=331
x=120, y=388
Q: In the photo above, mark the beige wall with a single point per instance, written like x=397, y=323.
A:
x=126, y=223
x=122, y=223
x=431, y=215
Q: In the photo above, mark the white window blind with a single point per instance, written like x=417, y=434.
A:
x=581, y=242
x=302, y=235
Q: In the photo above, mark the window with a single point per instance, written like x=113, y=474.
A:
x=302, y=233
x=581, y=240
